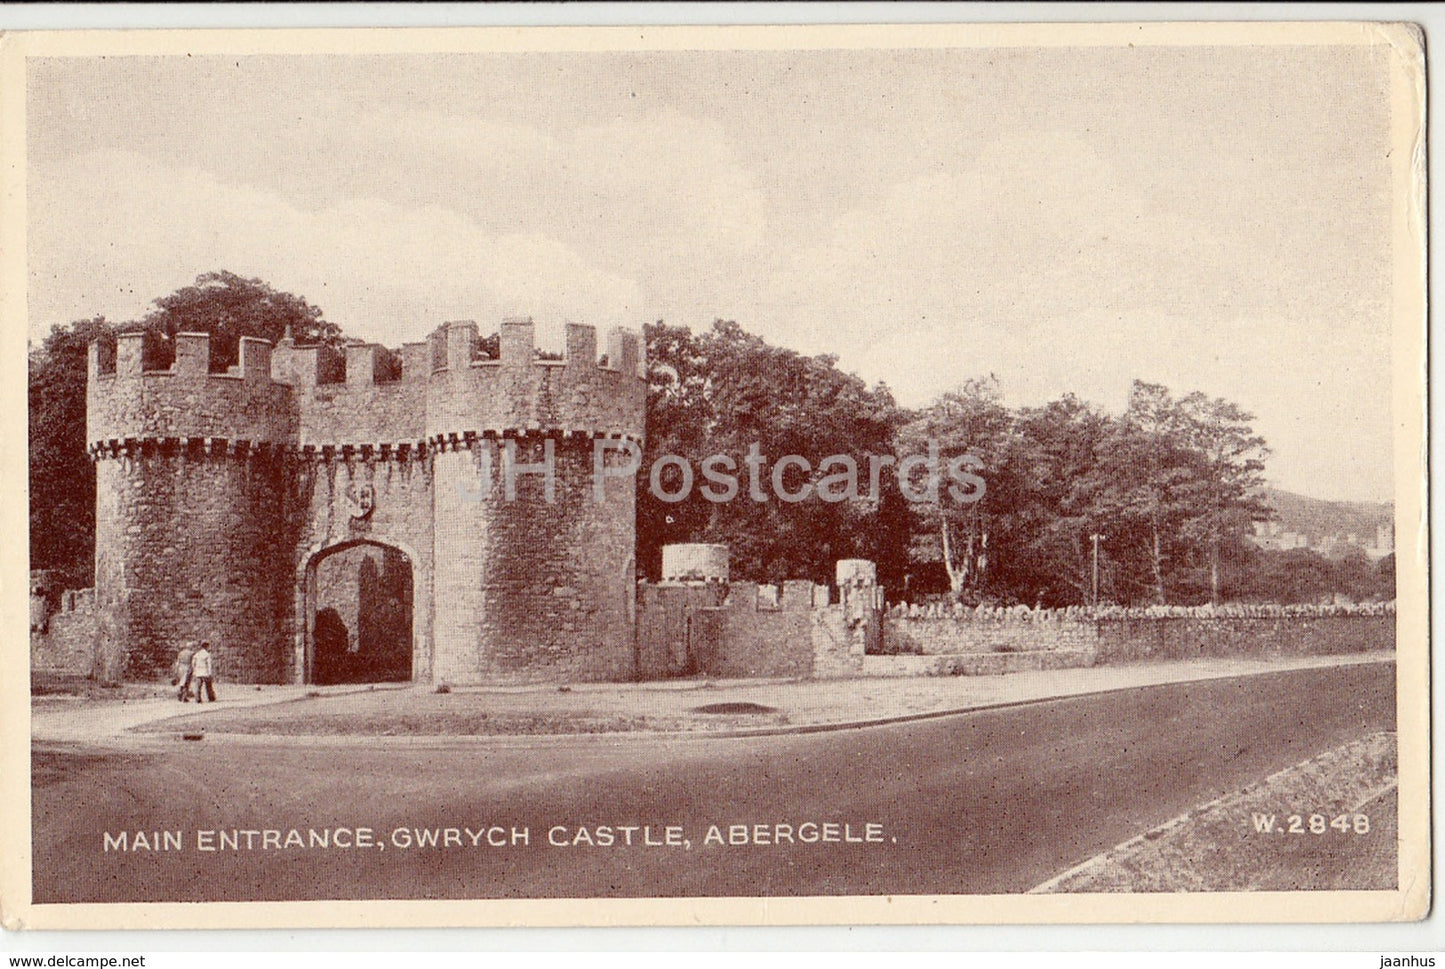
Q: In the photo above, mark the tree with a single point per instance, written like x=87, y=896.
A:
x=62, y=478
x=1304, y=575
x=1234, y=458
x=1027, y=538
x=1385, y=572
x=970, y=421
x=1056, y=560
x=229, y=307
x=1155, y=478
x=727, y=392
x=1174, y=482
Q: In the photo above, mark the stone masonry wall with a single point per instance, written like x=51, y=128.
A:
x=694, y=562
x=191, y=541
x=519, y=392
x=1129, y=640
x=64, y=641
x=333, y=414
x=189, y=547
x=670, y=631
x=946, y=634
x=128, y=402
x=739, y=630
x=838, y=643
x=527, y=589
x=759, y=633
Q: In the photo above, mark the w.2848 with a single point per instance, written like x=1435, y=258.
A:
x=1313, y=824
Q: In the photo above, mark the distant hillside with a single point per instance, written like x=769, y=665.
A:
x=1318, y=519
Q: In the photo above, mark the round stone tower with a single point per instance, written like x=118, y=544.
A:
x=534, y=506
x=189, y=533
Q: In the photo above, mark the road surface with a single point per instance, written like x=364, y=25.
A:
x=988, y=802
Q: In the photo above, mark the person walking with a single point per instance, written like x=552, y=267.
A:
x=182, y=673
x=201, y=673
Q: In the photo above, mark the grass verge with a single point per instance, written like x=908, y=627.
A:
x=1329, y=823
x=459, y=720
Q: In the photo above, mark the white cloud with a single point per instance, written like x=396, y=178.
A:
x=645, y=195
x=1068, y=219
x=1038, y=264
x=133, y=228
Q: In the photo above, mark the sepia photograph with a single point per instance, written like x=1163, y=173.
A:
x=774, y=475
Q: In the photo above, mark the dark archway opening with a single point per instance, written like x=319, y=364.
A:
x=360, y=612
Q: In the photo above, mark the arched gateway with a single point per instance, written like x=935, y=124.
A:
x=360, y=614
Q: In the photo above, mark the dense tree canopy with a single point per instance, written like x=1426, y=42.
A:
x=1173, y=487
x=1170, y=487
x=62, y=479
x=718, y=396
x=1166, y=486
x=795, y=464
x=229, y=307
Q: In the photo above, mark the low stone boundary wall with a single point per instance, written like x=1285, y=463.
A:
x=794, y=630
x=1124, y=640
x=1129, y=640
x=977, y=664
x=947, y=635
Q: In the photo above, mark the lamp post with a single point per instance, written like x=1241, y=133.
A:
x=1095, y=539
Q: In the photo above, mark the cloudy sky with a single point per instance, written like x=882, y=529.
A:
x=1069, y=219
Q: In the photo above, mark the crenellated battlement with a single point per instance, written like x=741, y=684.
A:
x=364, y=395
x=456, y=346
x=519, y=391
x=130, y=399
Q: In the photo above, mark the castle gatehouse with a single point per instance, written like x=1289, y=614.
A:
x=426, y=514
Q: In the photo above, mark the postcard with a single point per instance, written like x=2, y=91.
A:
x=725, y=475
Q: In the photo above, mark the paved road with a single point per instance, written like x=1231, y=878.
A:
x=988, y=802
